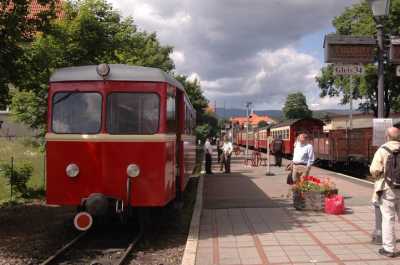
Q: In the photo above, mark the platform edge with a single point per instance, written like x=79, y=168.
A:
x=189, y=255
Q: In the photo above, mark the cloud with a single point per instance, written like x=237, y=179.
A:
x=278, y=73
x=240, y=49
x=178, y=57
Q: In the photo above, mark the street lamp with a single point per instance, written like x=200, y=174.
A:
x=248, y=104
x=380, y=10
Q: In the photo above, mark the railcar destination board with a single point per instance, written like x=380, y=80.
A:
x=349, y=49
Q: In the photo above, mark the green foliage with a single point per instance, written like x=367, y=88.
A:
x=26, y=105
x=196, y=96
x=90, y=32
x=296, y=107
x=17, y=177
x=211, y=120
x=262, y=124
x=358, y=20
x=17, y=29
x=207, y=121
x=23, y=150
x=202, y=132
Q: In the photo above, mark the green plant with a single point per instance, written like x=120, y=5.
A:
x=311, y=183
x=17, y=177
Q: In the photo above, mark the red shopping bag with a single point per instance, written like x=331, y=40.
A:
x=334, y=204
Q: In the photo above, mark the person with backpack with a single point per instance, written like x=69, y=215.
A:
x=385, y=167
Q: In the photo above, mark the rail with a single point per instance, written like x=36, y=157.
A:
x=118, y=261
x=63, y=249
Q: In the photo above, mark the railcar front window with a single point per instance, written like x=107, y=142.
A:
x=76, y=112
x=133, y=113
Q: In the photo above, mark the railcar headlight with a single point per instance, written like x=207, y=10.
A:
x=103, y=70
x=133, y=170
x=72, y=170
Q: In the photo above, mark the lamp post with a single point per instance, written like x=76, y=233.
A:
x=248, y=104
x=380, y=10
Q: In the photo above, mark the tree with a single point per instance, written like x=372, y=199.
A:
x=358, y=20
x=90, y=32
x=198, y=100
x=207, y=122
x=262, y=124
x=296, y=107
x=17, y=29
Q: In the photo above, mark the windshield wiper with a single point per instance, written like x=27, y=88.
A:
x=66, y=96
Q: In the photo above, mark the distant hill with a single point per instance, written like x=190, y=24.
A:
x=228, y=113
x=278, y=114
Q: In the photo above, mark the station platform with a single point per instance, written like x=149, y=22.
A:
x=248, y=218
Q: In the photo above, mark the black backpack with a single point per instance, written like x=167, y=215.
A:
x=392, y=168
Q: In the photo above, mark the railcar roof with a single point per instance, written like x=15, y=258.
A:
x=118, y=72
x=293, y=121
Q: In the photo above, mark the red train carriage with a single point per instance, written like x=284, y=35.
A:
x=117, y=136
x=262, y=135
x=289, y=130
x=342, y=146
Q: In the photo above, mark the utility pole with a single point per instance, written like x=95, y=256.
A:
x=381, y=85
x=248, y=104
x=351, y=104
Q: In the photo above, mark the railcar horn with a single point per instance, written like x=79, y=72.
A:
x=103, y=70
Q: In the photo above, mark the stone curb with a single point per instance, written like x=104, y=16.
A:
x=189, y=256
x=363, y=182
x=355, y=180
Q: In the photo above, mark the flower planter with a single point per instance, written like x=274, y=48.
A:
x=309, y=200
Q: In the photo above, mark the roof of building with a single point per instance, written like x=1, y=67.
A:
x=293, y=121
x=118, y=72
x=362, y=115
x=254, y=119
x=35, y=8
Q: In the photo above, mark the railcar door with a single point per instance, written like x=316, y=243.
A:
x=175, y=108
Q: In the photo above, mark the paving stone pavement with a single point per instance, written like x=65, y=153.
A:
x=248, y=218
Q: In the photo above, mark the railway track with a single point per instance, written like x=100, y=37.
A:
x=109, y=247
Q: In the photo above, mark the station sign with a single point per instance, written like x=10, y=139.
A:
x=349, y=49
x=394, y=51
x=379, y=130
x=348, y=69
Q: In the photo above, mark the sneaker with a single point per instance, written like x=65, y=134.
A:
x=385, y=253
x=377, y=240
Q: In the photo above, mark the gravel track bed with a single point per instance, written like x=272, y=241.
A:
x=32, y=232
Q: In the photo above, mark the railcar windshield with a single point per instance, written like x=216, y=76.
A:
x=133, y=113
x=76, y=112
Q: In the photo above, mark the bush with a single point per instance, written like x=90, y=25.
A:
x=30, y=142
x=17, y=177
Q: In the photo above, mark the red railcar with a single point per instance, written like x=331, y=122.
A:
x=343, y=145
x=117, y=136
x=262, y=135
x=289, y=130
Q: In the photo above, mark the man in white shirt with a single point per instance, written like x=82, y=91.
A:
x=303, y=157
x=208, y=152
x=227, y=150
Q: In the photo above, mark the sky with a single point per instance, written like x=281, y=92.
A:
x=244, y=50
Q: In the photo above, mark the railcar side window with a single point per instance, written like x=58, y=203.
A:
x=133, y=113
x=76, y=112
x=171, y=115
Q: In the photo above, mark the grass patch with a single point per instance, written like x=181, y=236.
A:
x=23, y=150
